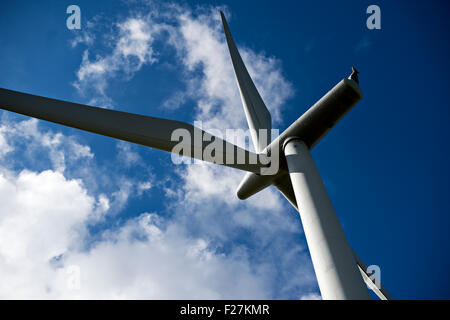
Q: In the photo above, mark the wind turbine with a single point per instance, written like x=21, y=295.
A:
x=340, y=273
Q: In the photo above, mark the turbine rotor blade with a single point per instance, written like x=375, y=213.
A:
x=144, y=130
x=284, y=185
x=256, y=112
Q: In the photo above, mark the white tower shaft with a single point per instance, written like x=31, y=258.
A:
x=334, y=264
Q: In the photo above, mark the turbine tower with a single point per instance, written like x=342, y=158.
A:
x=340, y=273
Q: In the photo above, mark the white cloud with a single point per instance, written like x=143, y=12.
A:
x=42, y=215
x=43, y=235
x=127, y=155
x=201, y=44
x=207, y=203
x=42, y=227
x=135, y=40
x=311, y=296
x=131, y=50
x=82, y=38
x=175, y=101
x=210, y=245
x=86, y=35
x=4, y=146
x=143, y=187
x=61, y=150
x=147, y=259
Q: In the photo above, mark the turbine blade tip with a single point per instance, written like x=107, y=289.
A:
x=222, y=16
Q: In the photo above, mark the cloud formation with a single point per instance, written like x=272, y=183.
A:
x=44, y=237
x=206, y=243
x=132, y=48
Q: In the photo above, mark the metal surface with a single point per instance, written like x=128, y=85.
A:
x=334, y=263
x=323, y=115
x=148, y=131
x=337, y=267
x=310, y=127
x=380, y=291
x=258, y=117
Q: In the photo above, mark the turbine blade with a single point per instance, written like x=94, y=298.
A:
x=284, y=185
x=258, y=117
x=380, y=291
x=144, y=130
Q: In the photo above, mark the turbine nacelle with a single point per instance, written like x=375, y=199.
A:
x=309, y=128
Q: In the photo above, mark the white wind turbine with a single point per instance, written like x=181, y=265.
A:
x=340, y=272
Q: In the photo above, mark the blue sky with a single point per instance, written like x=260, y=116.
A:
x=136, y=226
